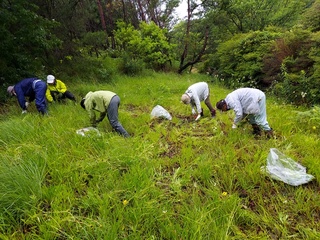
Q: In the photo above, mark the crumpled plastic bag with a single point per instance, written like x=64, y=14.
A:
x=282, y=168
x=159, y=112
x=88, y=131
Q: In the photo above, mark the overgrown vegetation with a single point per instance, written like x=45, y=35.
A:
x=264, y=44
x=176, y=179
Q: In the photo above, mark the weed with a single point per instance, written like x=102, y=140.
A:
x=177, y=179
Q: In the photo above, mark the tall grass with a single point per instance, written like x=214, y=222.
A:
x=176, y=179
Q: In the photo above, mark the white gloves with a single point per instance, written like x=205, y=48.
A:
x=27, y=104
x=234, y=126
x=193, y=111
x=198, y=117
x=24, y=111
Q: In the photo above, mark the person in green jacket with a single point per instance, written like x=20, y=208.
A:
x=57, y=90
x=107, y=103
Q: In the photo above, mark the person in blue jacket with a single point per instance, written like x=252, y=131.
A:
x=35, y=89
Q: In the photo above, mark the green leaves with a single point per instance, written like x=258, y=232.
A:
x=25, y=39
x=148, y=43
x=241, y=57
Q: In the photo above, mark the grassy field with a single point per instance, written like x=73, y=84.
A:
x=175, y=179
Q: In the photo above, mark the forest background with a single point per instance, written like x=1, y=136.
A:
x=272, y=45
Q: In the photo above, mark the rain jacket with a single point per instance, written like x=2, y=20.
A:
x=59, y=87
x=34, y=88
x=98, y=101
x=197, y=92
x=248, y=101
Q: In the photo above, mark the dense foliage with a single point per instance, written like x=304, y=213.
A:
x=26, y=40
x=148, y=43
x=241, y=58
x=265, y=44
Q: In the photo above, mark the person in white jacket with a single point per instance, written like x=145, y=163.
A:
x=248, y=102
x=194, y=95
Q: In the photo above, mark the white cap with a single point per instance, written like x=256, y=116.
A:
x=185, y=98
x=50, y=79
x=10, y=90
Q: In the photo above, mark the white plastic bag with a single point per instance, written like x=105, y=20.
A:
x=160, y=112
x=282, y=168
x=88, y=131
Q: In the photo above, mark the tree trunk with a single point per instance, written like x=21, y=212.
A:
x=186, y=43
x=141, y=10
x=103, y=22
x=200, y=54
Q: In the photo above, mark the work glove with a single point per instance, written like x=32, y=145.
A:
x=193, y=111
x=234, y=126
x=24, y=111
x=27, y=104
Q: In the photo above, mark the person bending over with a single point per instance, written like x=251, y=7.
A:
x=35, y=89
x=251, y=103
x=107, y=103
x=57, y=90
x=194, y=95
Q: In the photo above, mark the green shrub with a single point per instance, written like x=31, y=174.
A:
x=94, y=42
x=297, y=88
x=130, y=66
x=240, y=58
x=291, y=88
x=147, y=45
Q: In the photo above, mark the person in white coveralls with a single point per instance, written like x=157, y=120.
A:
x=194, y=95
x=251, y=103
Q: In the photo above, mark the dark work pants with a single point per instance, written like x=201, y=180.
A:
x=66, y=94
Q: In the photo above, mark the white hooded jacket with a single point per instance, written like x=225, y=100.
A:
x=248, y=101
x=197, y=92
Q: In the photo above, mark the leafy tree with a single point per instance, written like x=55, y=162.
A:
x=291, y=49
x=158, y=11
x=298, y=81
x=311, y=17
x=75, y=18
x=124, y=34
x=240, y=58
x=26, y=39
x=244, y=16
x=191, y=37
x=148, y=43
x=94, y=42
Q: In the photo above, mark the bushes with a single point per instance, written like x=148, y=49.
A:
x=147, y=45
x=129, y=66
x=240, y=58
x=288, y=62
x=297, y=82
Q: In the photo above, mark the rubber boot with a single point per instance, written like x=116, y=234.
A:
x=213, y=113
x=269, y=133
x=256, y=130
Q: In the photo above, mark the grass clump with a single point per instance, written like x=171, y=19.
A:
x=175, y=179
